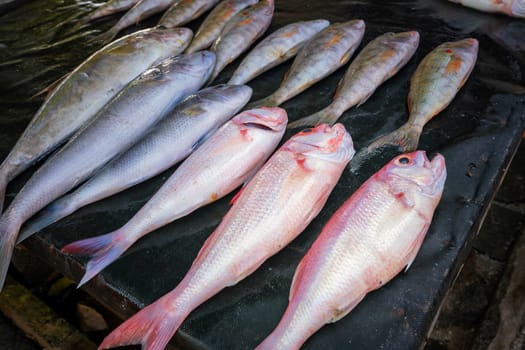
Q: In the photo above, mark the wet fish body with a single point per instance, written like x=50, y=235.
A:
x=109, y=8
x=379, y=60
x=275, y=206
x=194, y=119
x=277, y=48
x=117, y=126
x=212, y=26
x=241, y=32
x=219, y=166
x=433, y=86
x=184, y=11
x=374, y=235
x=321, y=56
x=142, y=10
x=85, y=91
x=514, y=8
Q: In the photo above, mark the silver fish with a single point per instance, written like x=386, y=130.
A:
x=212, y=26
x=240, y=33
x=381, y=59
x=142, y=10
x=85, y=91
x=321, y=56
x=184, y=129
x=117, y=126
x=184, y=11
x=108, y=8
x=276, y=48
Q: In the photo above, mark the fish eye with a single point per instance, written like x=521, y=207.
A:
x=404, y=160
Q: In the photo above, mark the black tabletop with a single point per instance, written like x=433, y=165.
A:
x=478, y=134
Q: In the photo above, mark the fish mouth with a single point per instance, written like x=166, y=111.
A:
x=330, y=143
x=264, y=118
x=439, y=172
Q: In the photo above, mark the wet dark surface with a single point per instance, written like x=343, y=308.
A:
x=477, y=134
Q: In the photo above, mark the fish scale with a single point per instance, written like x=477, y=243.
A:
x=273, y=208
x=369, y=239
x=117, y=126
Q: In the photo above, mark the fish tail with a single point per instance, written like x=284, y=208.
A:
x=49, y=215
x=103, y=249
x=152, y=327
x=328, y=115
x=406, y=137
x=8, y=232
x=270, y=101
x=106, y=37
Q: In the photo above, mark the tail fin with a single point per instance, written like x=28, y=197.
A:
x=269, y=101
x=104, y=250
x=327, y=115
x=152, y=327
x=49, y=215
x=8, y=233
x=406, y=137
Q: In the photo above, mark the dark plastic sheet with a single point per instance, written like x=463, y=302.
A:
x=477, y=134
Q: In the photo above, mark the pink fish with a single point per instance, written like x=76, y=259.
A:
x=274, y=207
x=220, y=165
x=375, y=234
x=515, y=8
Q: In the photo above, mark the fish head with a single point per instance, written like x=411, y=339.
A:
x=401, y=40
x=265, y=120
x=467, y=49
x=200, y=64
x=229, y=94
x=415, y=172
x=333, y=144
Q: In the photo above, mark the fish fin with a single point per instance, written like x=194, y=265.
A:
x=269, y=101
x=49, y=215
x=326, y=115
x=414, y=248
x=339, y=313
x=299, y=272
x=237, y=195
x=48, y=90
x=8, y=233
x=406, y=137
x=152, y=327
x=104, y=250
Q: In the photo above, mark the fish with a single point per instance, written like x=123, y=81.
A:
x=514, y=8
x=276, y=48
x=80, y=95
x=434, y=84
x=274, y=207
x=181, y=131
x=184, y=11
x=213, y=24
x=115, y=128
x=140, y=11
x=109, y=8
x=379, y=60
x=374, y=235
x=240, y=33
x=327, y=51
x=220, y=165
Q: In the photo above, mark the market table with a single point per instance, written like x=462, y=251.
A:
x=478, y=135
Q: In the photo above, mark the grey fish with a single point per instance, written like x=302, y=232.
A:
x=212, y=26
x=108, y=8
x=276, y=48
x=85, y=91
x=240, y=33
x=321, y=56
x=381, y=59
x=184, y=129
x=184, y=11
x=142, y=10
x=117, y=126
